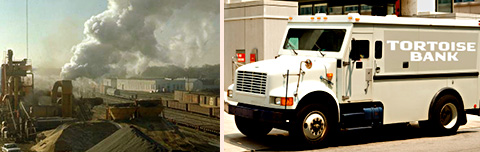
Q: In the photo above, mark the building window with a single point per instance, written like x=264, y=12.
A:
x=363, y=48
x=320, y=8
x=382, y=9
x=459, y=1
x=378, y=49
x=391, y=9
x=305, y=9
x=444, y=6
x=365, y=9
x=335, y=10
x=350, y=9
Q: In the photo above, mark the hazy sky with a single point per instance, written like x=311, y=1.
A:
x=95, y=38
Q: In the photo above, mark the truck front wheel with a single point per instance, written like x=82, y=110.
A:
x=314, y=124
x=252, y=128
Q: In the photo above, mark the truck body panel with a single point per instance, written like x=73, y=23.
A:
x=388, y=68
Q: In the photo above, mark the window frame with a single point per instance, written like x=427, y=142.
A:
x=378, y=53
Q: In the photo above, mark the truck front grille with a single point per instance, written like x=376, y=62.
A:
x=253, y=82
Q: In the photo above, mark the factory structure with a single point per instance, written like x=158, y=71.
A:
x=158, y=84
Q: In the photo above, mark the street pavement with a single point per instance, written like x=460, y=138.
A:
x=398, y=137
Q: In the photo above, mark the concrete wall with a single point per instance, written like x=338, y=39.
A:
x=193, y=85
x=236, y=1
x=111, y=82
x=170, y=85
x=107, y=82
x=467, y=7
x=253, y=25
x=412, y=7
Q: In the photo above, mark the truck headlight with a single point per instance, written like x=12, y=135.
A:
x=230, y=93
x=278, y=100
x=282, y=100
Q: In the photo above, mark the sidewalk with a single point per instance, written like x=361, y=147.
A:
x=236, y=141
x=473, y=121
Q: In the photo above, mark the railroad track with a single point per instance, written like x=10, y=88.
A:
x=179, y=117
x=192, y=120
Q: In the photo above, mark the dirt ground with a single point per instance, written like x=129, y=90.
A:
x=202, y=141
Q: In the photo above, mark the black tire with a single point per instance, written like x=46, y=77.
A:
x=445, y=116
x=252, y=128
x=315, y=124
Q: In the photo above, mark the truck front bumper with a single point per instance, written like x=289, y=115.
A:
x=257, y=113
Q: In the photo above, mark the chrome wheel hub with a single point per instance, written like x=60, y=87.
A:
x=314, y=125
x=448, y=115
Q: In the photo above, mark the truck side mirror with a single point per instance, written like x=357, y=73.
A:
x=355, y=52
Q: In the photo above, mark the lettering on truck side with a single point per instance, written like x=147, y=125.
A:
x=432, y=50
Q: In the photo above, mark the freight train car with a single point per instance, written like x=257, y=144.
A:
x=184, y=101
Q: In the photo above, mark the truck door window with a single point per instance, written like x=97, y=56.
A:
x=315, y=39
x=362, y=46
x=378, y=49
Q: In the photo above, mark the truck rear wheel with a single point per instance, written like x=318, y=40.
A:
x=314, y=124
x=445, y=116
x=252, y=128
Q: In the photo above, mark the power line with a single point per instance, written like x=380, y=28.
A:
x=26, y=23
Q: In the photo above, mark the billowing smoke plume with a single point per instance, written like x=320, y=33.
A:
x=132, y=35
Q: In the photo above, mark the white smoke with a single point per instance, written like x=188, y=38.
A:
x=132, y=35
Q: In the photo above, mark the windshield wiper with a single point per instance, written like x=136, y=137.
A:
x=291, y=46
x=323, y=55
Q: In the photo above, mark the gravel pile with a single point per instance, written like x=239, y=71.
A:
x=146, y=134
x=128, y=139
x=78, y=136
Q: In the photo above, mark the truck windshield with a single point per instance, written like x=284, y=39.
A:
x=315, y=39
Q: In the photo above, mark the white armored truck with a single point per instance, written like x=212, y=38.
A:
x=353, y=71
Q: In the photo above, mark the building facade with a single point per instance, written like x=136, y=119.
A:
x=145, y=85
x=467, y=6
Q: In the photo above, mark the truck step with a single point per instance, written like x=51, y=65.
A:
x=358, y=114
x=357, y=128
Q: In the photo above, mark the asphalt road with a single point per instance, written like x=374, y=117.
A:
x=398, y=137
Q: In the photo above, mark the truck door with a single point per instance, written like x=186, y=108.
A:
x=358, y=73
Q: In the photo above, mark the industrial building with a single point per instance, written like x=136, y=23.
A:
x=254, y=28
x=148, y=85
x=159, y=84
x=190, y=84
